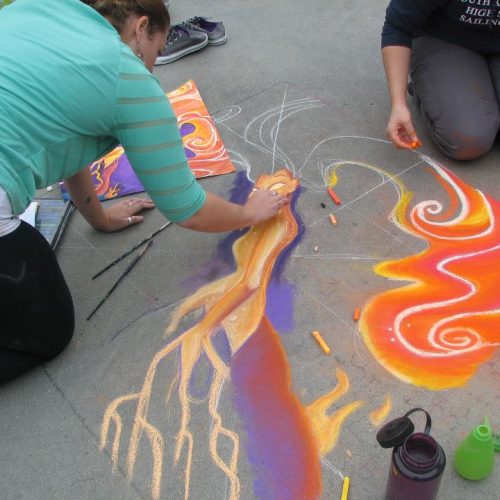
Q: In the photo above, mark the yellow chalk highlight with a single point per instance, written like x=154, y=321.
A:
x=321, y=341
x=380, y=414
x=333, y=220
x=345, y=488
x=357, y=314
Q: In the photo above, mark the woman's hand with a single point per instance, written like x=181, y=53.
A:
x=120, y=215
x=263, y=204
x=400, y=128
x=218, y=215
x=123, y=213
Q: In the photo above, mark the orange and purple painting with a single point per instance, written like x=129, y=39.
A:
x=285, y=439
x=206, y=154
x=203, y=145
x=438, y=330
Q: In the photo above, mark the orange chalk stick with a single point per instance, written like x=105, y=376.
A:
x=334, y=196
x=416, y=144
x=357, y=314
x=321, y=341
x=333, y=220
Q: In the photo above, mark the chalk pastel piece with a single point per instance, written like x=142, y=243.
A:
x=357, y=314
x=333, y=220
x=345, y=488
x=316, y=248
x=334, y=196
x=416, y=144
x=321, y=342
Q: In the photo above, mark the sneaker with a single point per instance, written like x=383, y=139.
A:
x=181, y=42
x=213, y=29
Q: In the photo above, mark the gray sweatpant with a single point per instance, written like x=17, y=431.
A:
x=457, y=93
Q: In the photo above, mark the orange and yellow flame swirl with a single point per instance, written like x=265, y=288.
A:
x=437, y=331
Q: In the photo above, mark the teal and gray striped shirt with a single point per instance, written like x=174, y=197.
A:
x=70, y=91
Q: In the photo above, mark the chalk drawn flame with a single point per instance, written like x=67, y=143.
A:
x=378, y=415
x=437, y=331
x=102, y=170
x=288, y=437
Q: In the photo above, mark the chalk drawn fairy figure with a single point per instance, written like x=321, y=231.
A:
x=286, y=439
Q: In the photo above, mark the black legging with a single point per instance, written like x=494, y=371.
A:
x=37, y=319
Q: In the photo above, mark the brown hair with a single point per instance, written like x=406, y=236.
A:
x=118, y=11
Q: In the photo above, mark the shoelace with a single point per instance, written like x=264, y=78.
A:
x=184, y=25
x=192, y=22
x=176, y=31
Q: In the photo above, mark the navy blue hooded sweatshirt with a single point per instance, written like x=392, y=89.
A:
x=474, y=24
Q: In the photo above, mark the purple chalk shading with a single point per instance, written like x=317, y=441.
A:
x=221, y=345
x=199, y=384
x=222, y=262
x=189, y=154
x=279, y=305
x=125, y=177
x=280, y=298
x=269, y=412
x=242, y=187
x=282, y=259
x=206, y=273
x=186, y=129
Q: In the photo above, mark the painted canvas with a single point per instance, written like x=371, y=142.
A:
x=206, y=154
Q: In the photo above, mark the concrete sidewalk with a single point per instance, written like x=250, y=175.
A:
x=298, y=86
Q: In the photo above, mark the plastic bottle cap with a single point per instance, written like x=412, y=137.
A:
x=395, y=432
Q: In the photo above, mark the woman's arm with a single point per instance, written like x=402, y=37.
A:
x=400, y=128
x=218, y=215
x=403, y=20
x=116, y=217
x=147, y=128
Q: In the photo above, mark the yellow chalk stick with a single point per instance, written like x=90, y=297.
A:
x=321, y=341
x=333, y=220
x=345, y=488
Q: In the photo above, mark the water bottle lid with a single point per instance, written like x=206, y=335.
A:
x=395, y=432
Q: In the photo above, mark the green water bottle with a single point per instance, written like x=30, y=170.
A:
x=475, y=457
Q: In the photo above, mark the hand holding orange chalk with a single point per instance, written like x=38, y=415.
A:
x=321, y=342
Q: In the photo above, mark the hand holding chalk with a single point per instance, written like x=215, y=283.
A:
x=400, y=129
x=263, y=204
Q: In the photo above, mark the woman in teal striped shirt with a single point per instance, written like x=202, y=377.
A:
x=75, y=81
